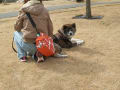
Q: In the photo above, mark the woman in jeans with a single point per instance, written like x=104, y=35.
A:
x=25, y=34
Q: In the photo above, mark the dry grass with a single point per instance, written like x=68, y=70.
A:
x=92, y=66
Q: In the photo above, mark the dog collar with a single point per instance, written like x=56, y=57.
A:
x=61, y=33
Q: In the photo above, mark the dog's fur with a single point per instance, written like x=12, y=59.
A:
x=64, y=35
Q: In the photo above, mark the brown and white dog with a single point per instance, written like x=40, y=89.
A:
x=64, y=36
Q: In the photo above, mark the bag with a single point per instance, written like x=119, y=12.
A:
x=44, y=43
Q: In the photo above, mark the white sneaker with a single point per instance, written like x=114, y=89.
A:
x=60, y=55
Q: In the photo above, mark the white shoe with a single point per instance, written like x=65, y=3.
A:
x=60, y=55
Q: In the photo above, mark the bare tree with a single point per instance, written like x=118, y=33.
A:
x=88, y=9
x=79, y=0
x=88, y=13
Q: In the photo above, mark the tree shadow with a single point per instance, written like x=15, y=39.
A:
x=85, y=17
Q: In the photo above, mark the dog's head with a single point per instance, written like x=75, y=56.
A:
x=69, y=30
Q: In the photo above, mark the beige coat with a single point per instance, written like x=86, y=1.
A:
x=40, y=16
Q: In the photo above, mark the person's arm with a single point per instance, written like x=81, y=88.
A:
x=19, y=23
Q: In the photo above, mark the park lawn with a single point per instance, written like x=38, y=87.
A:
x=92, y=66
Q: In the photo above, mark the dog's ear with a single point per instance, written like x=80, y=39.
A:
x=64, y=27
x=74, y=25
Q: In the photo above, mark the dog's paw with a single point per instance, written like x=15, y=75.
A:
x=79, y=42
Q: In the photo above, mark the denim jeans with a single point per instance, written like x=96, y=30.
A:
x=23, y=48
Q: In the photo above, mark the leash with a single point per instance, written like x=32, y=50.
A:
x=65, y=38
x=32, y=22
x=13, y=46
x=61, y=33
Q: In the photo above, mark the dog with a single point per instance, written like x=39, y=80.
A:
x=64, y=36
x=63, y=39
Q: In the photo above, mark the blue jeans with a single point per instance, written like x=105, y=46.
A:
x=23, y=48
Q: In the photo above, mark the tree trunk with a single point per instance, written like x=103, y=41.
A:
x=0, y=1
x=88, y=9
x=79, y=0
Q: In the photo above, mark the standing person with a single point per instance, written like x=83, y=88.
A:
x=25, y=34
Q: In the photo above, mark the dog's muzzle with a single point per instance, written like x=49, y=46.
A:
x=70, y=33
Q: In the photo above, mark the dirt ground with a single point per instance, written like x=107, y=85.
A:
x=92, y=66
